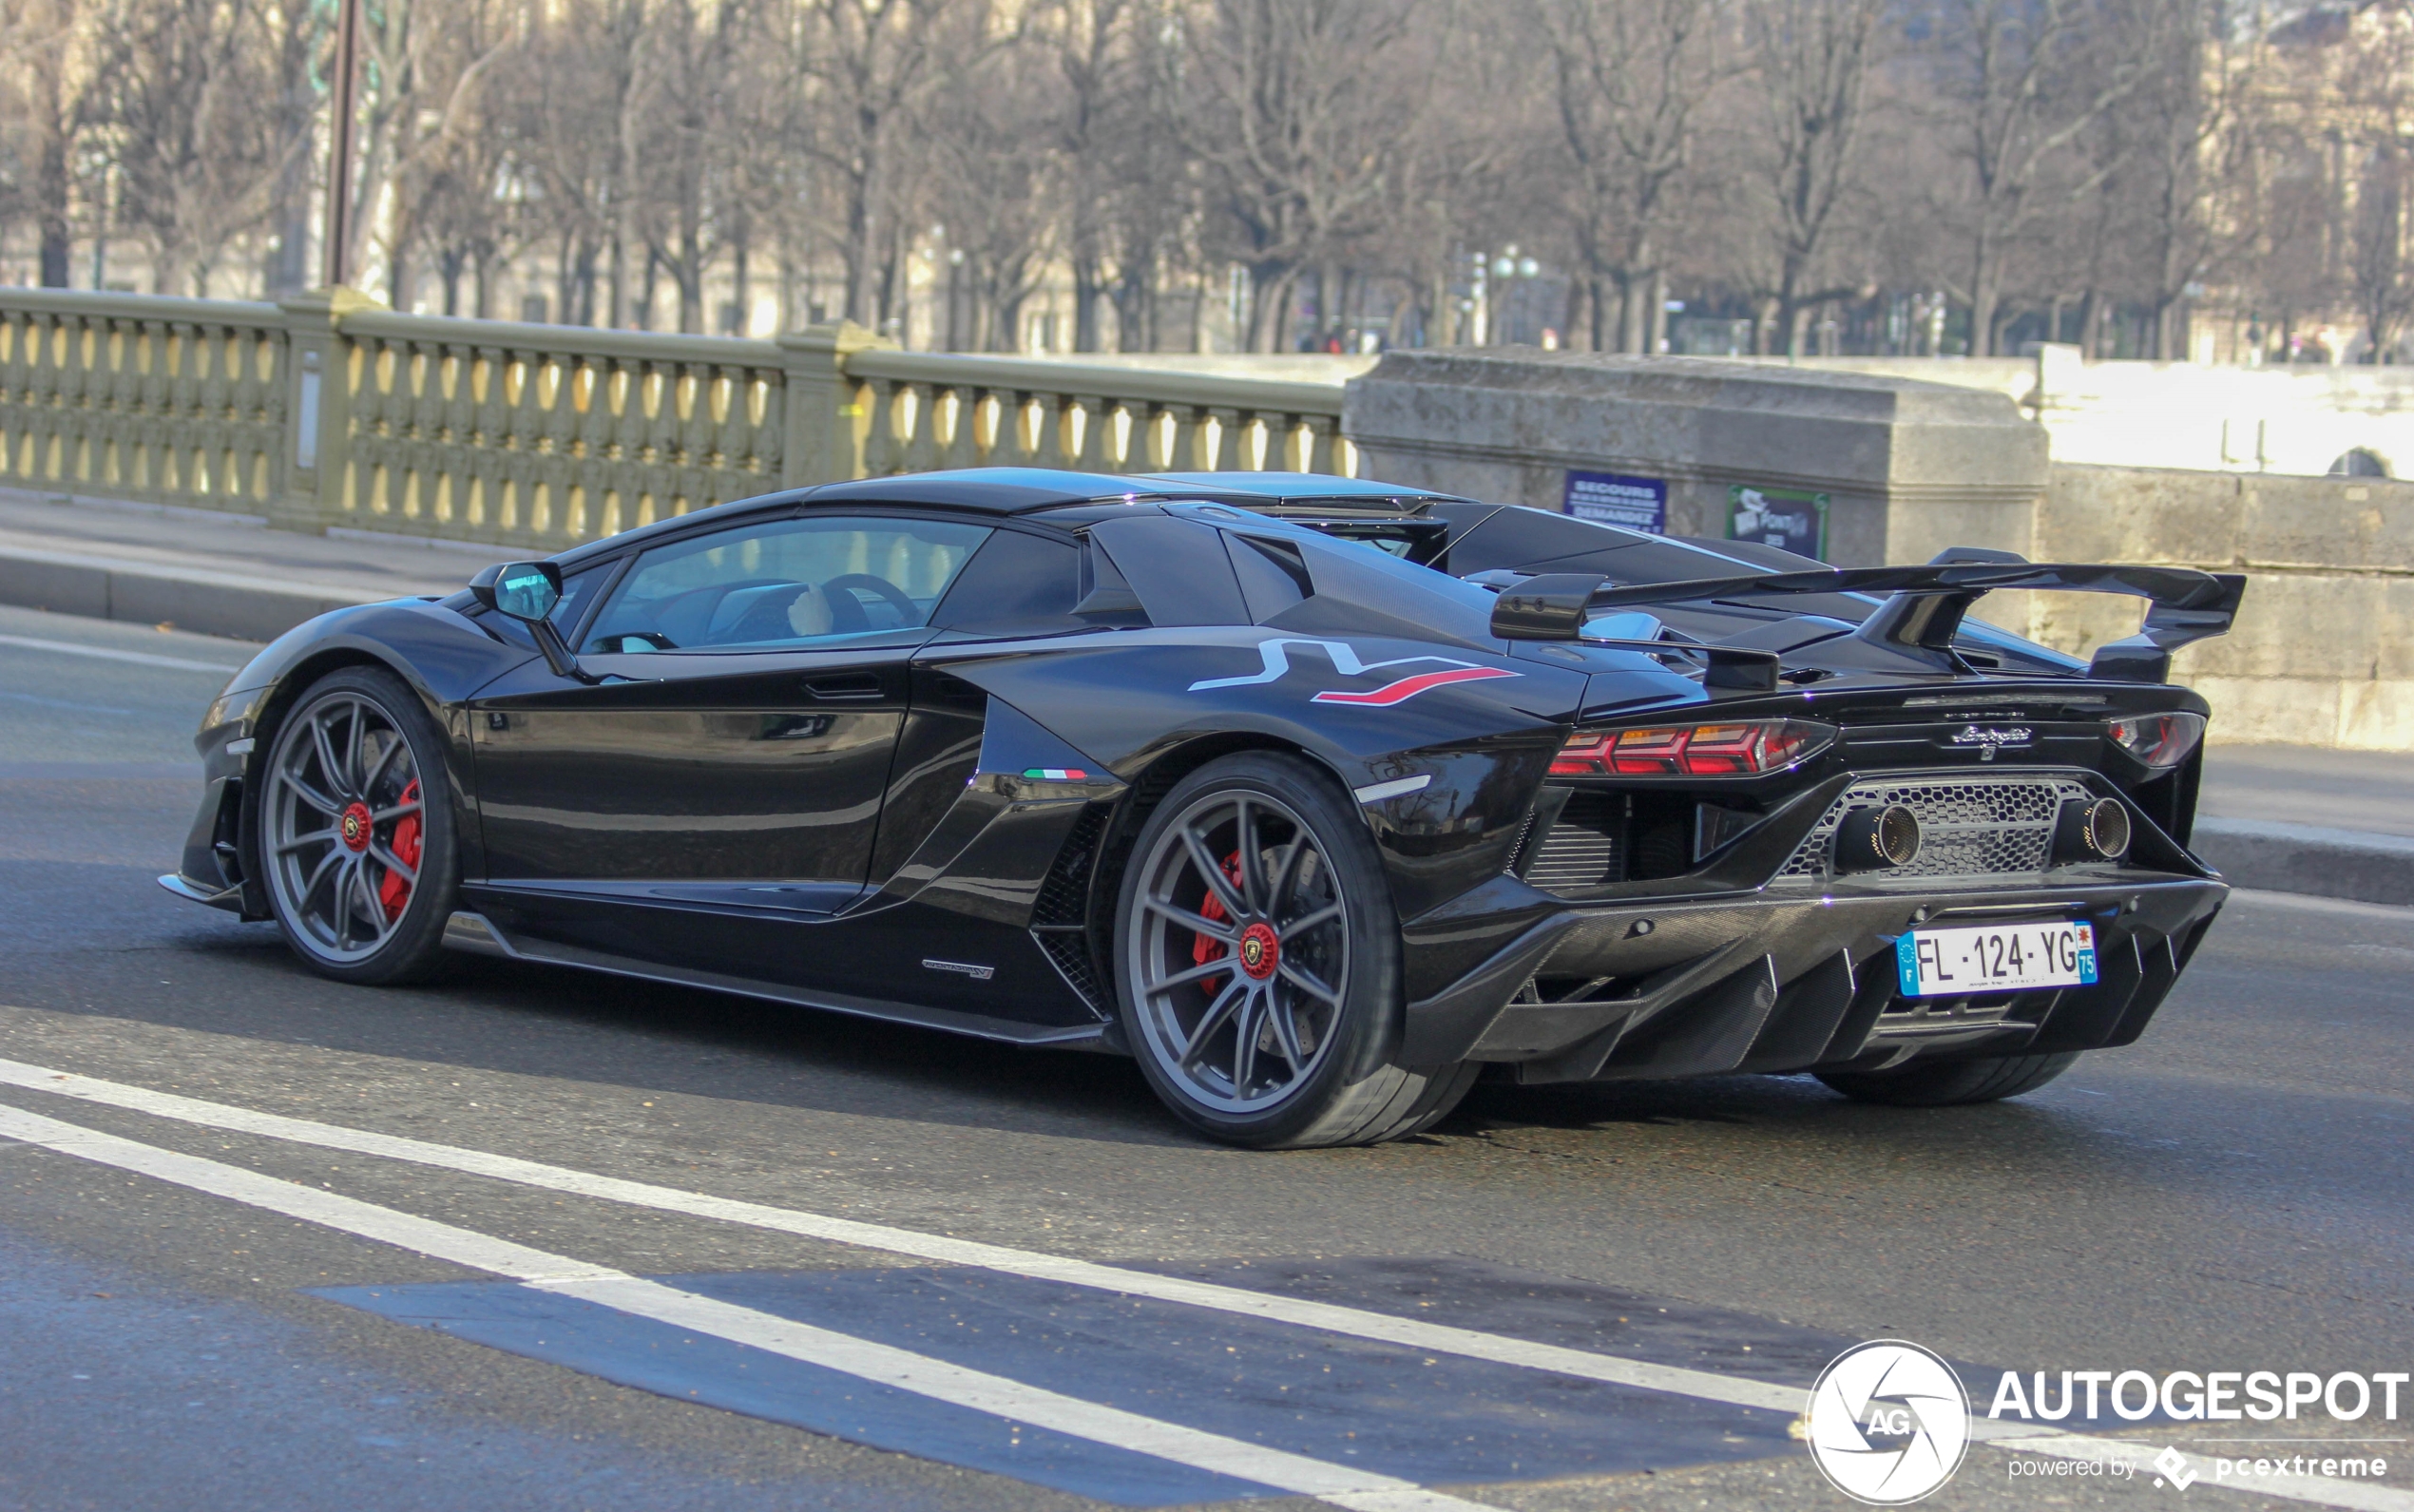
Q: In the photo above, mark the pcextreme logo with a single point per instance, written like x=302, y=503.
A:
x=1887, y=1423
x=1275, y=658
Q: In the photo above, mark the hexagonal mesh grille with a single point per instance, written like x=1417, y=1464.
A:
x=1969, y=825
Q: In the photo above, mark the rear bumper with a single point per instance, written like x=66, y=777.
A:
x=1789, y=980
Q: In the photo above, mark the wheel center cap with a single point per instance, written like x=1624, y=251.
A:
x=354, y=825
x=1260, y=950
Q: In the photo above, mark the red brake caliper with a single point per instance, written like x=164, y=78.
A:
x=393, y=892
x=1206, y=948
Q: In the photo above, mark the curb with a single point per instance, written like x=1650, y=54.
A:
x=224, y=603
x=2309, y=858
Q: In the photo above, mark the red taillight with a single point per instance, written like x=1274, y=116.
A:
x=2160, y=740
x=1746, y=748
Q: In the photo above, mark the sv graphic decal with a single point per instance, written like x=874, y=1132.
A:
x=1275, y=657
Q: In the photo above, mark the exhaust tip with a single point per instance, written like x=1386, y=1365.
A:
x=1874, y=839
x=2092, y=831
x=2106, y=830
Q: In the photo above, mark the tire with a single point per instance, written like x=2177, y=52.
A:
x=1950, y=1082
x=355, y=784
x=1288, y=1044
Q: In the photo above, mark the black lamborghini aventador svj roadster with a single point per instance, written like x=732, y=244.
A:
x=1317, y=797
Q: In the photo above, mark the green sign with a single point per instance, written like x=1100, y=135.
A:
x=1791, y=519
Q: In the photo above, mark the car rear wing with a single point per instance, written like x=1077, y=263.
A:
x=1925, y=607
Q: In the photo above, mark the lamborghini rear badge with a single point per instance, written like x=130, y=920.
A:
x=1344, y=659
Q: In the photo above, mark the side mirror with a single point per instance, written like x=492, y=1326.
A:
x=529, y=591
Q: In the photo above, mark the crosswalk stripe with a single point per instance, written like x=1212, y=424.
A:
x=1341, y=1485
x=1329, y=1317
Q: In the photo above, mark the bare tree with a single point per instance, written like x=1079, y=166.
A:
x=2019, y=84
x=872, y=65
x=1292, y=112
x=184, y=81
x=1628, y=77
x=48, y=47
x=1810, y=64
x=427, y=65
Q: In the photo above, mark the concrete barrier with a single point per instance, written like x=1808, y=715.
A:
x=1907, y=468
x=2322, y=655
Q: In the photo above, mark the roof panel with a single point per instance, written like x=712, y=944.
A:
x=995, y=490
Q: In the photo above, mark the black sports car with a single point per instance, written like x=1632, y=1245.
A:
x=1317, y=797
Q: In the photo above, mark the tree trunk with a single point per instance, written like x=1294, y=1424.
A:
x=741, y=286
x=51, y=194
x=1086, y=293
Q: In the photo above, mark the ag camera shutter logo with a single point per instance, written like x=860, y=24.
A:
x=1887, y=1423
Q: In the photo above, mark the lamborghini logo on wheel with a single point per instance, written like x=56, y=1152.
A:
x=1276, y=658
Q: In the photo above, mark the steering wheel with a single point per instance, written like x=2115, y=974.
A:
x=909, y=612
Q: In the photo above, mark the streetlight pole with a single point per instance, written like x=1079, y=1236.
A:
x=338, y=224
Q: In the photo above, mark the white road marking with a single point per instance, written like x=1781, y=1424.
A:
x=1330, y=1317
x=1343, y=1486
x=1324, y=1316
x=141, y=658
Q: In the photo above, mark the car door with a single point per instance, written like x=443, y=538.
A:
x=731, y=750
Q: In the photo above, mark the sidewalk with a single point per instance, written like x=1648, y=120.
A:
x=2304, y=820
x=2291, y=818
x=219, y=574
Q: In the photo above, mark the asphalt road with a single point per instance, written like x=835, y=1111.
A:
x=2232, y=1194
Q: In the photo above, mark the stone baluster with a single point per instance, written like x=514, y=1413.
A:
x=1324, y=444
x=957, y=407
x=882, y=454
x=1099, y=450
x=923, y=450
x=1051, y=450
x=594, y=469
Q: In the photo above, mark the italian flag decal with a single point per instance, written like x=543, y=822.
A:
x=1056, y=774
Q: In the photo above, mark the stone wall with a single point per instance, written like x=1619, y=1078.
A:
x=2323, y=653
x=2195, y=415
x=1909, y=468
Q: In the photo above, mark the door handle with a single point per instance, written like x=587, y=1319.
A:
x=853, y=686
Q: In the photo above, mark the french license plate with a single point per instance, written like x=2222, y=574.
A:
x=1996, y=958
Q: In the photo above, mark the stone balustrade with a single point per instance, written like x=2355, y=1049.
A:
x=166, y=400
x=923, y=410
x=327, y=409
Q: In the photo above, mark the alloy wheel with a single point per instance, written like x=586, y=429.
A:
x=1240, y=953
x=342, y=827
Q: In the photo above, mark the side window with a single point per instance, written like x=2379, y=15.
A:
x=1016, y=583
x=785, y=583
x=578, y=593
